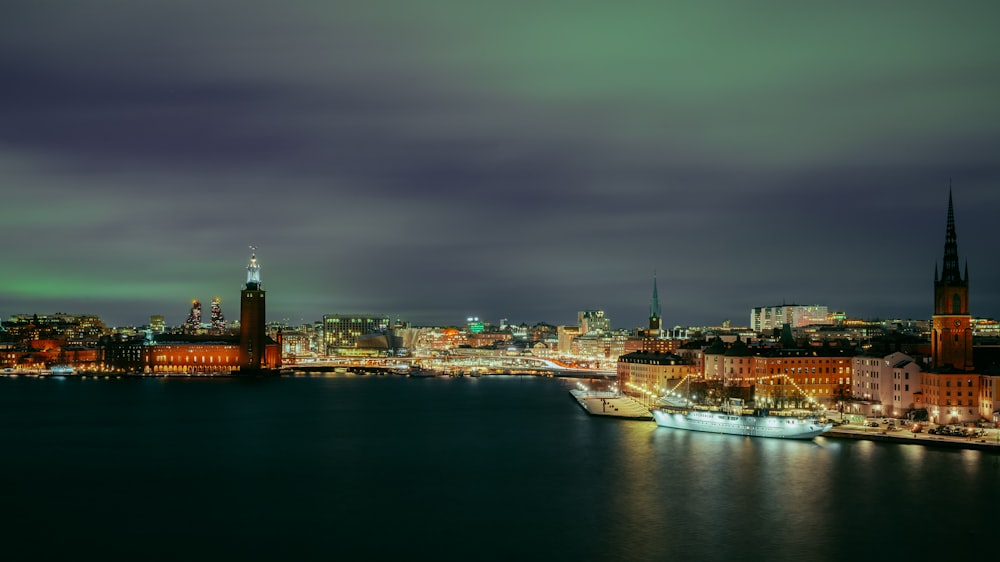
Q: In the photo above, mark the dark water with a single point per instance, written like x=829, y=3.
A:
x=489, y=468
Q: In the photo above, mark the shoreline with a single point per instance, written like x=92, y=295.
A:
x=913, y=439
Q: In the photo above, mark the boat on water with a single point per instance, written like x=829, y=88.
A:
x=63, y=370
x=735, y=419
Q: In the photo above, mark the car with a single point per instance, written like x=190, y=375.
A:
x=917, y=427
x=872, y=423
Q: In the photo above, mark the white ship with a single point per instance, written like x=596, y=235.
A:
x=734, y=420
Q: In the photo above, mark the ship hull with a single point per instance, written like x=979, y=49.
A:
x=781, y=427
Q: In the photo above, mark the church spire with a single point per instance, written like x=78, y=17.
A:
x=950, y=272
x=654, y=307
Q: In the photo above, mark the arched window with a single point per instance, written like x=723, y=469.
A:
x=956, y=304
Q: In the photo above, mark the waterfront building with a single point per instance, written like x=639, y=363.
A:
x=951, y=387
x=780, y=376
x=192, y=354
x=648, y=375
x=886, y=383
x=341, y=332
x=73, y=329
x=693, y=351
x=737, y=364
x=44, y=354
x=713, y=360
x=784, y=377
x=296, y=344
x=989, y=397
x=251, y=351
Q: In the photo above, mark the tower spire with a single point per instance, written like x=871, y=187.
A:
x=654, y=307
x=253, y=271
x=950, y=272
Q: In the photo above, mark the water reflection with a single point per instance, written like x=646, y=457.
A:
x=489, y=468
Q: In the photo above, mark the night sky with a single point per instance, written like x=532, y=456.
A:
x=433, y=160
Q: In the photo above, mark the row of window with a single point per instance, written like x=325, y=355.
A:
x=222, y=360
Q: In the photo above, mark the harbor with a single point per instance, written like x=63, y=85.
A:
x=612, y=404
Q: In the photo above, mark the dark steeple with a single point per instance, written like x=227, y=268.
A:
x=654, y=307
x=951, y=339
x=655, y=324
x=950, y=272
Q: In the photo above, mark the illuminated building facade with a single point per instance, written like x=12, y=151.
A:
x=769, y=318
x=790, y=377
x=566, y=335
x=593, y=321
x=69, y=328
x=650, y=374
x=890, y=382
x=781, y=377
x=341, y=332
x=606, y=345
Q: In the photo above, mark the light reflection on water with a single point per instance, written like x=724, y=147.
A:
x=489, y=468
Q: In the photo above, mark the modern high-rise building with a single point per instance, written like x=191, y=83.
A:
x=593, y=321
x=252, y=307
x=193, y=322
x=217, y=318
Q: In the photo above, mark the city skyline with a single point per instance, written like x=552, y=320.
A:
x=448, y=161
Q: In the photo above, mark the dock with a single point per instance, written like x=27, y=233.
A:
x=610, y=404
x=991, y=444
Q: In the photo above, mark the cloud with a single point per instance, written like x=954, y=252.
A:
x=441, y=159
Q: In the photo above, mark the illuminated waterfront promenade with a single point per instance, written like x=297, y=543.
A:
x=454, y=365
x=989, y=442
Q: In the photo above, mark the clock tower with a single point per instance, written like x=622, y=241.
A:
x=951, y=337
x=252, y=334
